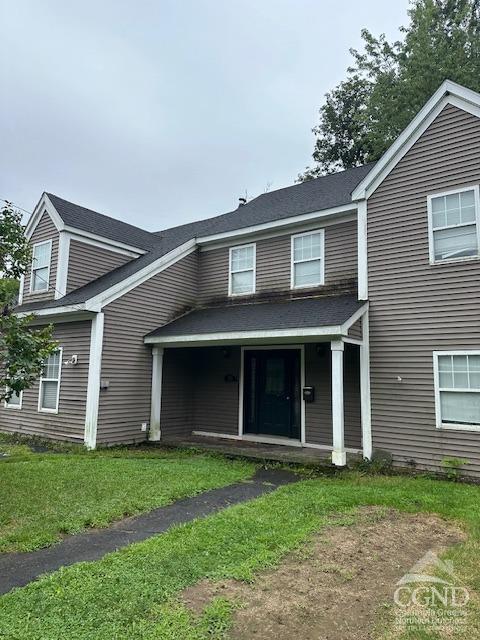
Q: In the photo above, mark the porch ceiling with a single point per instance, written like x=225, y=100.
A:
x=280, y=321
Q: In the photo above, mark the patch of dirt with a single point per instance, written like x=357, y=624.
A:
x=334, y=587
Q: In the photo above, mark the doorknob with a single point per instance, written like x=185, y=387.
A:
x=287, y=398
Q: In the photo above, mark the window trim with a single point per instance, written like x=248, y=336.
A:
x=231, y=294
x=37, y=244
x=431, y=246
x=16, y=407
x=322, y=259
x=42, y=379
x=436, y=380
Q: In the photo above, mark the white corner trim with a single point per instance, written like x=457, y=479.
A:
x=93, y=386
x=44, y=205
x=62, y=264
x=21, y=288
x=275, y=224
x=365, y=397
x=156, y=399
x=362, y=249
x=448, y=93
x=139, y=277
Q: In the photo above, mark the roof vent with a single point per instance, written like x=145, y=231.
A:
x=242, y=201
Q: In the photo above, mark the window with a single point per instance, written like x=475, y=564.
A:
x=50, y=383
x=308, y=259
x=457, y=389
x=41, y=266
x=454, y=229
x=242, y=270
x=15, y=401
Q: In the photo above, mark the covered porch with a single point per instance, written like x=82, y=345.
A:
x=278, y=375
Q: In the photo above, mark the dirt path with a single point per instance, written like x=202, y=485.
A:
x=334, y=587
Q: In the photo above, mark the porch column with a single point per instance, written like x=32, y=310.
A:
x=366, y=410
x=339, y=456
x=157, y=370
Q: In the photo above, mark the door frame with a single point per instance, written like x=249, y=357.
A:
x=272, y=439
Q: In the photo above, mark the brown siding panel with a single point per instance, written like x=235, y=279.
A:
x=274, y=260
x=127, y=361
x=87, y=262
x=45, y=230
x=69, y=423
x=417, y=308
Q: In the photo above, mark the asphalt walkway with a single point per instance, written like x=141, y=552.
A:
x=18, y=569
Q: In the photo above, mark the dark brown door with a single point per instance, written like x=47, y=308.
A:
x=271, y=392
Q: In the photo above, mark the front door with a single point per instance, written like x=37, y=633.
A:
x=271, y=392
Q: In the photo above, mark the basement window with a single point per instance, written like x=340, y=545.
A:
x=454, y=229
x=457, y=389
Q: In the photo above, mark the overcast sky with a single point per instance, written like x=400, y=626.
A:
x=162, y=112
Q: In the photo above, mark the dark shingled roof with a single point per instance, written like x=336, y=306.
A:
x=73, y=215
x=321, y=193
x=294, y=314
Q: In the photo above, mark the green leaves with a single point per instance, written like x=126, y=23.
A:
x=22, y=349
x=390, y=82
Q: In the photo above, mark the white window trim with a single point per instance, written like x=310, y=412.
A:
x=38, y=244
x=322, y=260
x=14, y=406
x=431, y=247
x=436, y=378
x=230, y=273
x=42, y=379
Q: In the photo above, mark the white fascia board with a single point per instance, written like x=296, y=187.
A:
x=139, y=277
x=62, y=264
x=44, y=205
x=229, y=336
x=53, y=311
x=112, y=245
x=448, y=93
x=275, y=224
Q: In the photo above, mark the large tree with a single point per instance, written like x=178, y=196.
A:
x=388, y=83
x=22, y=349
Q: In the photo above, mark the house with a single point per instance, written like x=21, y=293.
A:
x=341, y=314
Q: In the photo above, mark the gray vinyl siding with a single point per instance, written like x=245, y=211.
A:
x=126, y=360
x=318, y=414
x=87, y=262
x=45, y=230
x=355, y=330
x=417, y=308
x=69, y=422
x=273, y=263
x=178, y=384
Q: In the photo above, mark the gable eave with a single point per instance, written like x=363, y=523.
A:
x=448, y=93
x=44, y=205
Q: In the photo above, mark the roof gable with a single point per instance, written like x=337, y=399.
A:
x=448, y=93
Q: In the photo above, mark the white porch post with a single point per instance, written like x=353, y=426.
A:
x=157, y=371
x=365, y=389
x=93, y=385
x=339, y=456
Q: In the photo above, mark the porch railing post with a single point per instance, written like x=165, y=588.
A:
x=339, y=456
x=156, y=406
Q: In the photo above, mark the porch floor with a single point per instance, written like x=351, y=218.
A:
x=254, y=450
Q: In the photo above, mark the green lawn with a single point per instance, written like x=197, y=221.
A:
x=130, y=594
x=43, y=496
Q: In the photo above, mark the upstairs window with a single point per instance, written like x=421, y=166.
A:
x=242, y=270
x=454, y=227
x=42, y=252
x=457, y=389
x=50, y=383
x=308, y=259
